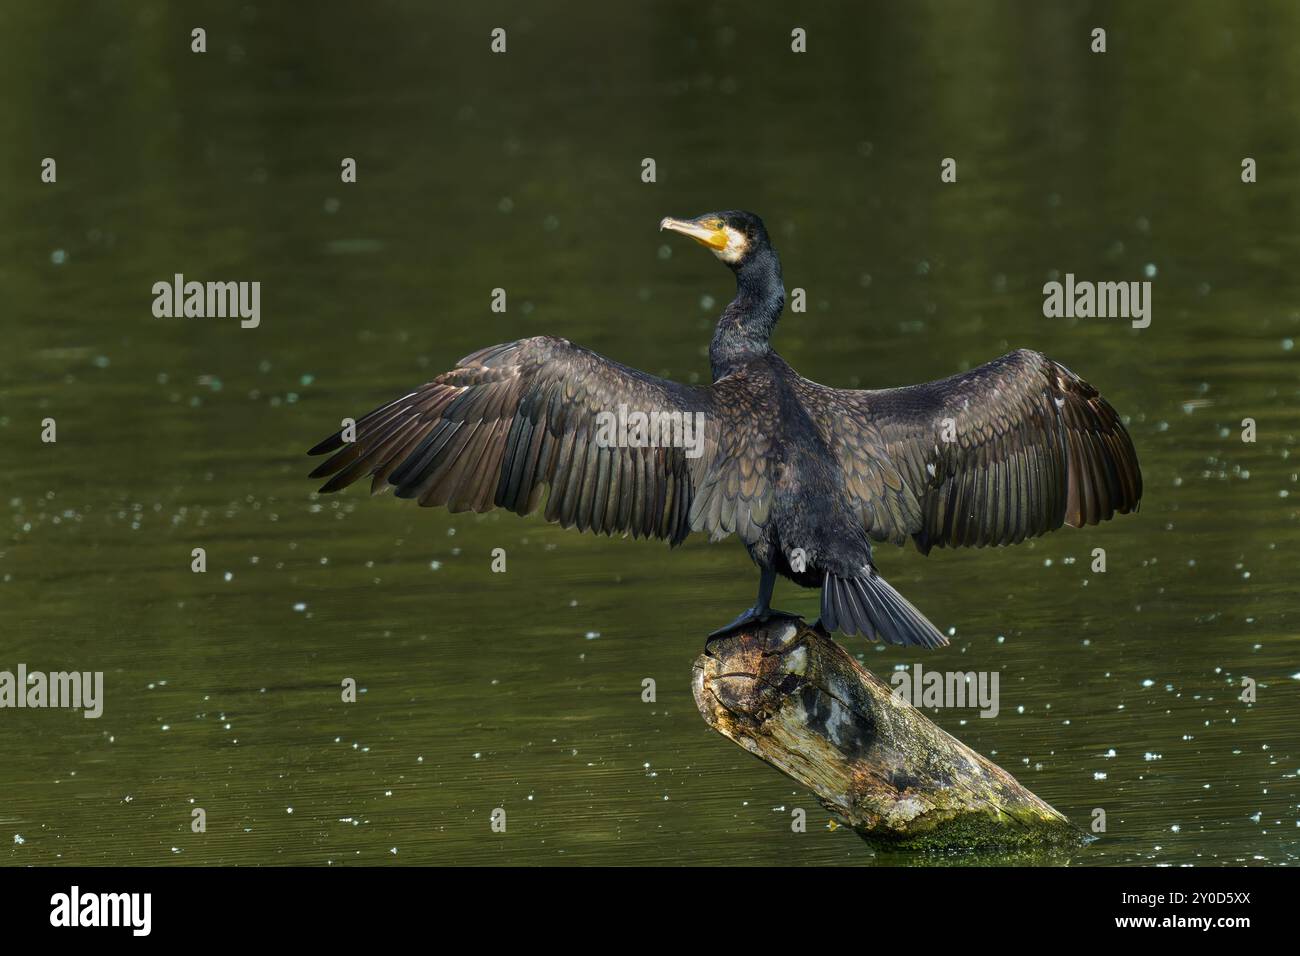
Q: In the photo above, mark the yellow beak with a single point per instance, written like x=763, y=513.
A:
x=713, y=236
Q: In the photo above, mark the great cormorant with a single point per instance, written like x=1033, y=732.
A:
x=805, y=475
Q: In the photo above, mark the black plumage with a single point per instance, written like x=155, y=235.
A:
x=805, y=475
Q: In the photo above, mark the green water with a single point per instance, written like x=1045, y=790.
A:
x=522, y=690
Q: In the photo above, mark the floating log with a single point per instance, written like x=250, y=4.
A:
x=794, y=698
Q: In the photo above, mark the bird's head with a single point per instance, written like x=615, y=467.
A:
x=734, y=236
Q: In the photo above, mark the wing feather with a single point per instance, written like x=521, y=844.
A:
x=513, y=420
x=1033, y=447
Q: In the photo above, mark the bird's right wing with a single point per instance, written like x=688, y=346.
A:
x=511, y=420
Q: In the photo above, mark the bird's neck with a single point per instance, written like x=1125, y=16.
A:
x=745, y=327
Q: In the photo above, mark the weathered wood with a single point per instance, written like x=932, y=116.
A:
x=796, y=699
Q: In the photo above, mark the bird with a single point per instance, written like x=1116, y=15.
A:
x=806, y=476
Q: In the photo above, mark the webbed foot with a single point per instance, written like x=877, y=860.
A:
x=754, y=615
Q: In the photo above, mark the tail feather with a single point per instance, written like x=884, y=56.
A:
x=869, y=606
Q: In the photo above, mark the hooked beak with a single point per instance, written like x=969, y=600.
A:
x=712, y=235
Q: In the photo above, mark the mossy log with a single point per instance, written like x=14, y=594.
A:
x=794, y=698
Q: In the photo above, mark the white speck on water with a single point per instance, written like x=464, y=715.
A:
x=288, y=809
x=18, y=839
x=434, y=565
x=592, y=635
x=1098, y=775
x=300, y=607
x=1148, y=682
x=58, y=257
x=1110, y=753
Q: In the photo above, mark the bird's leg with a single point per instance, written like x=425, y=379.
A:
x=761, y=610
x=766, y=585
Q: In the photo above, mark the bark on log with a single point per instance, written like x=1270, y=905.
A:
x=797, y=700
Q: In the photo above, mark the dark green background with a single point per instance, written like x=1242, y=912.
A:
x=522, y=171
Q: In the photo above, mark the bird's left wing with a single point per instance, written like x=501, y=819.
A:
x=511, y=420
x=1009, y=450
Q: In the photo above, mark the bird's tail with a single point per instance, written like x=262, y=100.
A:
x=867, y=605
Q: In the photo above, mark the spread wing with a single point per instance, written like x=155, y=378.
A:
x=511, y=420
x=1006, y=451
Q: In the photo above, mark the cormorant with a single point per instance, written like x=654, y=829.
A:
x=805, y=475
